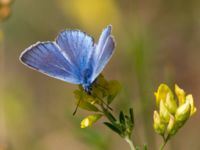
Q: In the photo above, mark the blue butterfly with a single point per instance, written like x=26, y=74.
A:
x=73, y=57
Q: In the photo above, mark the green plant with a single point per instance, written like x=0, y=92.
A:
x=167, y=121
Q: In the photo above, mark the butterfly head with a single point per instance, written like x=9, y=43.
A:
x=87, y=88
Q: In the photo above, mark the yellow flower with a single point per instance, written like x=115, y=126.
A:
x=159, y=127
x=164, y=113
x=172, y=116
x=180, y=94
x=183, y=113
x=189, y=98
x=171, y=126
x=183, y=98
x=165, y=94
x=90, y=120
x=161, y=93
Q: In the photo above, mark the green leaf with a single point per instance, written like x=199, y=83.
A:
x=110, y=99
x=122, y=118
x=100, y=87
x=114, y=88
x=110, y=116
x=131, y=115
x=113, y=127
x=85, y=101
x=88, y=106
x=77, y=94
x=102, y=81
x=81, y=94
x=98, y=92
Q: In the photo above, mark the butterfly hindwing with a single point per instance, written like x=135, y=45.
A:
x=47, y=58
x=103, y=51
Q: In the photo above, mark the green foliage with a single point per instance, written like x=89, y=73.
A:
x=109, y=115
x=98, y=100
x=103, y=93
x=85, y=101
x=121, y=118
x=167, y=120
x=113, y=127
x=113, y=88
x=123, y=126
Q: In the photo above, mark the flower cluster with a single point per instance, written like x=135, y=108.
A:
x=172, y=113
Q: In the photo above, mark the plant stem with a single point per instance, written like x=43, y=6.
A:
x=111, y=118
x=165, y=142
x=163, y=145
x=129, y=141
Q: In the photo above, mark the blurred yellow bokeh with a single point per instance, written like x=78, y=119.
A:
x=92, y=14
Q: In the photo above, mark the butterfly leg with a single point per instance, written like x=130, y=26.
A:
x=79, y=101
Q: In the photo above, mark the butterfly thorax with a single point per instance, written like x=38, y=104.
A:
x=87, y=85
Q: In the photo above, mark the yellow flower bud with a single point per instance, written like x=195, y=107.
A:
x=180, y=94
x=171, y=103
x=90, y=120
x=189, y=98
x=159, y=127
x=164, y=113
x=162, y=92
x=183, y=113
x=171, y=130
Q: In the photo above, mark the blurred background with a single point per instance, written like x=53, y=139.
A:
x=157, y=41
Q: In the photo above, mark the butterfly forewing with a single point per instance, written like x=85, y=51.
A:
x=77, y=46
x=47, y=58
